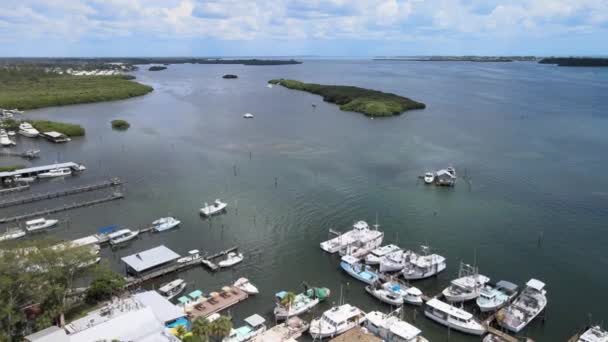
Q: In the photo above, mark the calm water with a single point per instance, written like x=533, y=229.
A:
x=531, y=139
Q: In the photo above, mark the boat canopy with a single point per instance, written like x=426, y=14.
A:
x=318, y=292
x=449, y=309
x=349, y=259
x=183, y=300
x=255, y=320
x=195, y=294
x=281, y=295
x=535, y=284
x=106, y=230
x=507, y=285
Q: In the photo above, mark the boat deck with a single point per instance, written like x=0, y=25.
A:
x=356, y=334
x=284, y=332
x=223, y=299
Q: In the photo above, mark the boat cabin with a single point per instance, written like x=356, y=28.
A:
x=446, y=177
x=55, y=137
x=446, y=311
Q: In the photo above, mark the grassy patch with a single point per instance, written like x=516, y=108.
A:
x=29, y=89
x=157, y=68
x=120, y=124
x=355, y=99
x=11, y=168
x=71, y=130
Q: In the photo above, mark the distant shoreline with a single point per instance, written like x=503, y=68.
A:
x=479, y=59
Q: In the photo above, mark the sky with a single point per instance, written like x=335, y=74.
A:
x=363, y=28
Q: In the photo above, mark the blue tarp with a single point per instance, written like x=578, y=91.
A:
x=108, y=229
x=181, y=321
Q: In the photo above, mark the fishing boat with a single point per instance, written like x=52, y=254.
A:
x=27, y=130
x=122, y=235
x=246, y=286
x=390, y=328
x=357, y=270
x=336, y=321
x=421, y=266
x=393, y=262
x=530, y=302
x=302, y=302
x=492, y=298
x=360, y=233
x=216, y=208
x=4, y=139
x=248, y=116
x=56, y=172
x=232, y=259
x=395, y=293
x=165, y=223
x=39, y=224
x=192, y=255
x=172, y=289
x=467, y=286
x=453, y=317
x=374, y=256
x=255, y=326
x=12, y=234
x=593, y=334
x=429, y=178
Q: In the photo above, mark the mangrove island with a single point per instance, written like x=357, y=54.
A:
x=355, y=99
x=230, y=76
x=157, y=68
x=120, y=124
x=576, y=61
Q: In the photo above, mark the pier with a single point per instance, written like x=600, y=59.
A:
x=14, y=189
x=49, y=195
x=112, y=197
x=35, y=171
x=216, y=302
x=29, y=154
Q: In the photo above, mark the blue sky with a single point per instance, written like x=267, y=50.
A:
x=302, y=27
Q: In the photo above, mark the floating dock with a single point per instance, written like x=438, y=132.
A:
x=216, y=302
x=29, y=154
x=112, y=197
x=287, y=331
x=14, y=189
x=356, y=334
x=35, y=171
x=62, y=193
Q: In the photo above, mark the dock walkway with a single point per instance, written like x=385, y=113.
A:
x=218, y=301
x=14, y=189
x=50, y=195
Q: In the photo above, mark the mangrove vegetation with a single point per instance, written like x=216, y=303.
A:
x=576, y=61
x=355, y=99
x=120, y=124
x=157, y=68
x=230, y=76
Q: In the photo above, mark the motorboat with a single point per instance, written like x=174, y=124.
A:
x=269, y=85
x=393, y=262
x=492, y=298
x=593, y=334
x=453, y=317
x=357, y=270
x=11, y=133
x=172, y=289
x=395, y=293
x=192, y=255
x=216, y=208
x=248, y=116
x=421, y=266
x=21, y=179
x=446, y=176
x=165, y=223
x=360, y=233
x=39, y=224
x=246, y=286
x=302, y=302
x=232, y=259
x=336, y=321
x=467, y=286
x=390, y=328
x=56, y=172
x=374, y=256
x=12, y=234
x=256, y=325
x=4, y=139
x=429, y=178
x=530, y=302
x=122, y=235
x=27, y=130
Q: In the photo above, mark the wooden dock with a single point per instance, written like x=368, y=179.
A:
x=216, y=302
x=208, y=260
x=112, y=197
x=30, y=154
x=504, y=336
x=50, y=195
x=14, y=189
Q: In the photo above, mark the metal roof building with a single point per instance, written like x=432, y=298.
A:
x=148, y=259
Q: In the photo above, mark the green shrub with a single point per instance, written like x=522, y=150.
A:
x=120, y=124
x=11, y=168
x=71, y=130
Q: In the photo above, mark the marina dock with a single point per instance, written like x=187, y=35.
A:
x=30, y=154
x=112, y=197
x=14, y=189
x=35, y=171
x=491, y=330
x=50, y=195
x=287, y=331
x=217, y=301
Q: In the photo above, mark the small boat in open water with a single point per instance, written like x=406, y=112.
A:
x=336, y=321
x=216, y=208
x=429, y=178
x=530, y=302
x=172, y=289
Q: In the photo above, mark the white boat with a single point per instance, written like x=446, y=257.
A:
x=302, y=302
x=248, y=116
x=392, y=329
x=27, y=130
x=357, y=270
x=467, y=286
x=361, y=234
x=493, y=298
x=594, y=334
x=12, y=234
x=172, y=289
x=122, y=235
x=21, y=179
x=395, y=293
x=192, y=255
x=530, y=302
x=374, y=256
x=269, y=85
x=429, y=178
x=232, y=259
x=216, y=208
x=246, y=286
x=39, y=224
x=165, y=223
x=11, y=133
x=255, y=326
x=393, y=262
x=336, y=321
x=56, y=172
x=4, y=140
x=423, y=266
x=453, y=317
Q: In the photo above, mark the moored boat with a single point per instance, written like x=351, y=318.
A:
x=336, y=321
x=232, y=259
x=530, y=302
x=27, y=130
x=172, y=289
x=12, y=234
x=122, y=235
x=248, y=116
x=390, y=328
x=421, y=266
x=255, y=326
x=4, y=139
x=165, y=223
x=593, y=334
x=301, y=303
x=492, y=298
x=357, y=270
x=453, y=317
x=360, y=233
x=215, y=208
x=393, y=262
x=39, y=224
x=246, y=286
x=467, y=286
x=429, y=178
x=374, y=256
x=192, y=255
x=395, y=293
x=56, y=172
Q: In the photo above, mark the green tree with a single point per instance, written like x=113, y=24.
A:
x=180, y=331
x=221, y=327
x=202, y=328
x=288, y=300
x=105, y=284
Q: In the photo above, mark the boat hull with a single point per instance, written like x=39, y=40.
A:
x=47, y=224
x=282, y=314
x=115, y=242
x=363, y=276
x=472, y=331
x=415, y=275
x=321, y=334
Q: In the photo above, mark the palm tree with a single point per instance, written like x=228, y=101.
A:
x=288, y=300
x=221, y=327
x=202, y=328
x=180, y=331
